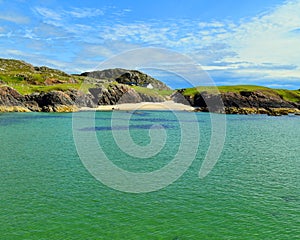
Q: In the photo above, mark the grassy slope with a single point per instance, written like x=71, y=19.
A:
x=153, y=92
x=288, y=95
x=27, y=79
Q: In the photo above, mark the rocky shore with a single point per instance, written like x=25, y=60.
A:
x=70, y=100
x=244, y=102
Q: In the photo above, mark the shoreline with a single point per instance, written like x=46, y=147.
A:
x=159, y=106
x=150, y=106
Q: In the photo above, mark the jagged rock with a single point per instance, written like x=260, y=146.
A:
x=81, y=99
x=55, y=101
x=179, y=98
x=51, y=99
x=119, y=93
x=244, y=102
x=9, y=97
x=124, y=76
x=212, y=102
x=149, y=98
x=32, y=106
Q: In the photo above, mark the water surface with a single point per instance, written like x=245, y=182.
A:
x=252, y=193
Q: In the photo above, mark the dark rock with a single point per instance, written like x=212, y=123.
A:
x=149, y=98
x=119, y=93
x=10, y=97
x=179, y=98
x=245, y=102
x=81, y=99
x=124, y=76
x=212, y=102
x=51, y=99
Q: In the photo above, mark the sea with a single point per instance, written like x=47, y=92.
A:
x=137, y=175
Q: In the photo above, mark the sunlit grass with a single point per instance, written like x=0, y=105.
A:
x=153, y=92
x=288, y=95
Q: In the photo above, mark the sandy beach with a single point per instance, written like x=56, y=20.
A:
x=167, y=105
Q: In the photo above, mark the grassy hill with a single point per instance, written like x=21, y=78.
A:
x=27, y=79
x=287, y=95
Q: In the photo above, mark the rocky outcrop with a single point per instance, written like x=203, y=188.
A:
x=71, y=100
x=55, y=101
x=119, y=93
x=11, y=100
x=244, y=102
x=123, y=76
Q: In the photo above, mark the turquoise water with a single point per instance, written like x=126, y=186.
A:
x=253, y=192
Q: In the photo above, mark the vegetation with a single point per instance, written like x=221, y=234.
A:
x=153, y=92
x=27, y=79
x=287, y=95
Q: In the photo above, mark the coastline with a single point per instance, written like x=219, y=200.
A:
x=159, y=106
x=151, y=106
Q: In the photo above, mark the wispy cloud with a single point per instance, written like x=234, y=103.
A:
x=267, y=37
x=73, y=13
x=48, y=13
x=15, y=18
x=84, y=12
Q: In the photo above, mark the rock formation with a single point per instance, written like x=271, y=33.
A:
x=244, y=102
x=71, y=100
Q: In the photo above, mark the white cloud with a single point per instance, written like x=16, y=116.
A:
x=48, y=13
x=107, y=49
x=13, y=17
x=268, y=38
x=59, y=15
x=84, y=12
x=214, y=24
x=17, y=53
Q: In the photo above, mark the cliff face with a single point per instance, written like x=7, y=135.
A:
x=119, y=93
x=71, y=100
x=244, y=102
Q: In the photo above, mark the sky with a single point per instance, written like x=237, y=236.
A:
x=235, y=42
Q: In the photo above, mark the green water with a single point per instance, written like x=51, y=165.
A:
x=253, y=192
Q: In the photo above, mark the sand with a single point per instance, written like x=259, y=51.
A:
x=167, y=105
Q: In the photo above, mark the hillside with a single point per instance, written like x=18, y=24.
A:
x=28, y=79
x=241, y=99
x=287, y=95
x=124, y=76
x=24, y=87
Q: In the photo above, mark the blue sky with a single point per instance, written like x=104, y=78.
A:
x=235, y=42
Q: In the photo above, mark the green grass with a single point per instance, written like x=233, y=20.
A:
x=11, y=79
x=28, y=89
x=288, y=95
x=153, y=92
